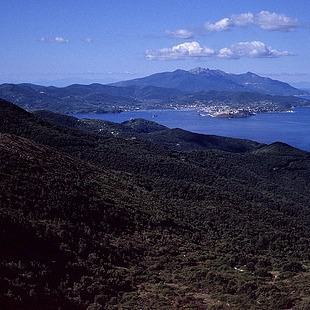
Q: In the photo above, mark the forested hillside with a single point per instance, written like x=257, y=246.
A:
x=90, y=220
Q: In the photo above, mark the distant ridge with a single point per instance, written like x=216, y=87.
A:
x=202, y=79
x=178, y=89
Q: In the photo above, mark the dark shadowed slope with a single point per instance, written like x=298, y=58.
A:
x=176, y=139
x=101, y=222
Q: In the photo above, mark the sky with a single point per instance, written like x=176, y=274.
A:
x=60, y=42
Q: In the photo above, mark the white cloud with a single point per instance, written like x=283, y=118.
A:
x=226, y=53
x=88, y=40
x=221, y=25
x=254, y=49
x=179, y=52
x=243, y=19
x=60, y=40
x=181, y=33
x=264, y=20
x=56, y=39
x=274, y=21
x=43, y=40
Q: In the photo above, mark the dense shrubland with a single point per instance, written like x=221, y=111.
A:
x=96, y=222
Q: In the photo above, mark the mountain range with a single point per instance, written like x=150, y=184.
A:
x=178, y=89
x=201, y=79
x=96, y=215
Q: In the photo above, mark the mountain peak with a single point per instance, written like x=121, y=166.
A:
x=207, y=71
x=199, y=70
x=251, y=75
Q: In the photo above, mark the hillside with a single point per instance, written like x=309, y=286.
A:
x=71, y=99
x=93, y=98
x=176, y=139
x=90, y=221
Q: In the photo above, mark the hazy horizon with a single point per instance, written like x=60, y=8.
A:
x=63, y=82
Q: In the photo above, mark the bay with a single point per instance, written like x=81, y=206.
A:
x=291, y=128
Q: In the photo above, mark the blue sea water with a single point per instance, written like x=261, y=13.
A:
x=291, y=128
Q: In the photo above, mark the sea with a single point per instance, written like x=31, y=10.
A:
x=291, y=127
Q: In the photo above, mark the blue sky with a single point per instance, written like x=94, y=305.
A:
x=58, y=42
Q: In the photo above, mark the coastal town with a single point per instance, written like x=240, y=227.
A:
x=226, y=110
x=231, y=112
